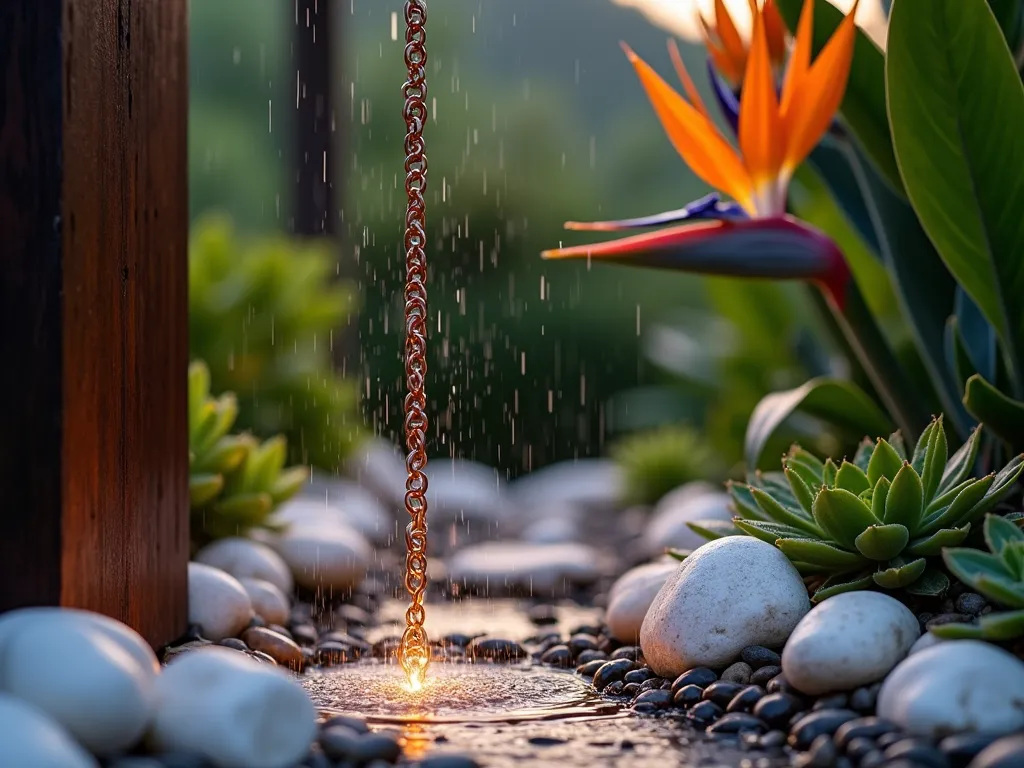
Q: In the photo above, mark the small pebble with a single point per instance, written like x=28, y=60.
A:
x=918, y=751
x=862, y=728
x=639, y=675
x=580, y=643
x=234, y=643
x=330, y=653
x=764, y=674
x=970, y=603
x=558, y=656
x=646, y=708
x=496, y=649
x=591, y=655
x=822, y=753
x=586, y=629
x=611, y=671
x=614, y=688
x=832, y=701
x=338, y=741
x=888, y=739
x=777, y=709
x=758, y=656
x=701, y=676
x=948, y=618
x=964, y=747
x=705, y=712
x=376, y=746
x=545, y=741
x=631, y=689
x=687, y=696
x=543, y=615
x=448, y=761
x=652, y=684
x=779, y=684
x=745, y=700
x=872, y=759
x=772, y=740
x=304, y=634
x=659, y=698
x=1007, y=752
x=813, y=724
x=738, y=722
x=588, y=669
x=631, y=652
x=457, y=639
x=739, y=672
x=857, y=747
x=352, y=723
x=722, y=692
x=864, y=699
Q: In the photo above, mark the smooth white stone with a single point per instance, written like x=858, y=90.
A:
x=586, y=483
x=962, y=685
x=730, y=593
x=551, y=530
x=57, y=619
x=81, y=678
x=267, y=601
x=461, y=490
x=30, y=739
x=330, y=556
x=377, y=464
x=346, y=501
x=217, y=602
x=631, y=596
x=687, y=504
x=927, y=640
x=847, y=641
x=247, y=559
x=235, y=712
x=542, y=567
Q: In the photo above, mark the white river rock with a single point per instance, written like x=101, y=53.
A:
x=631, y=596
x=217, y=602
x=247, y=559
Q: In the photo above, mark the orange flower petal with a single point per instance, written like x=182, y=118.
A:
x=811, y=110
x=775, y=30
x=729, y=36
x=800, y=58
x=760, y=129
x=695, y=137
x=726, y=66
x=684, y=77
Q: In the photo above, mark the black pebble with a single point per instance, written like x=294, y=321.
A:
x=745, y=700
x=558, y=656
x=639, y=675
x=864, y=699
x=777, y=709
x=947, y=618
x=543, y=615
x=812, y=725
x=758, y=656
x=457, y=639
x=586, y=629
x=614, y=688
x=631, y=652
x=646, y=708
x=822, y=753
x=918, y=751
x=687, y=696
x=659, y=698
x=862, y=728
x=631, y=689
x=738, y=722
x=580, y=643
x=970, y=603
x=376, y=746
x=701, y=676
x=496, y=649
x=304, y=634
x=772, y=740
x=234, y=643
x=859, y=746
x=1007, y=752
x=705, y=712
x=588, y=656
x=779, y=684
x=872, y=759
x=330, y=653
x=338, y=742
x=353, y=723
x=764, y=674
x=545, y=741
x=652, y=684
x=590, y=668
x=832, y=701
x=887, y=739
x=722, y=692
x=964, y=747
x=611, y=671
x=448, y=761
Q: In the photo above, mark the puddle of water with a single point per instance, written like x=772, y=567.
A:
x=463, y=693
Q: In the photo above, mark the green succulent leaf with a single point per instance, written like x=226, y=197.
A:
x=287, y=484
x=204, y=488
x=678, y=554
x=997, y=627
x=742, y=496
x=958, y=631
x=878, y=497
x=225, y=456
x=1007, y=591
x=781, y=514
x=960, y=510
x=769, y=532
x=904, y=502
x=712, y=529
x=970, y=565
x=934, y=460
x=865, y=450
x=931, y=546
x=884, y=462
x=999, y=532
x=198, y=394
x=820, y=553
x=245, y=510
x=933, y=583
x=927, y=438
x=777, y=486
x=900, y=574
x=842, y=516
x=882, y=542
x=961, y=463
x=810, y=467
x=852, y=478
x=943, y=500
x=828, y=477
x=841, y=582
x=801, y=492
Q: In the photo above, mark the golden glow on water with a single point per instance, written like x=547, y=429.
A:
x=415, y=682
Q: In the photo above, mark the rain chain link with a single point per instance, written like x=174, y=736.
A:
x=414, y=652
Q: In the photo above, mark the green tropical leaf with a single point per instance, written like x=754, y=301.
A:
x=882, y=542
x=964, y=103
x=841, y=582
x=820, y=553
x=837, y=402
x=884, y=462
x=842, y=515
x=899, y=576
x=1002, y=414
x=863, y=108
x=904, y=502
x=933, y=583
x=932, y=546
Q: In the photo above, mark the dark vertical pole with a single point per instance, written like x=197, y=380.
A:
x=93, y=309
x=315, y=209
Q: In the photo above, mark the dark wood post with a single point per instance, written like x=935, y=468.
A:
x=93, y=309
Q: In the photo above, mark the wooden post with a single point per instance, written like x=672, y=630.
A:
x=93, y=309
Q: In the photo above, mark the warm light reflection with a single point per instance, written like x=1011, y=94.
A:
x=415, y=682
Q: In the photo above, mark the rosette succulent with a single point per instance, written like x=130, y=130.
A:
x=235, y=480
x=999, y=576
x=873, y=521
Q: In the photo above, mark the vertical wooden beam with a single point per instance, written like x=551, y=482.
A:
x=93, y=309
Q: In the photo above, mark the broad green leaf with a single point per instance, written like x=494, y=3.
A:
x=956, y=104
x=884, y=462
x=931, y=546
x=959, y=467
x=769, y=532
x=1010, y=15
x=900, y=576
x=820, y=553
x=837, y=402
x=903, y=504
x=1000, y=413
x=863, y=107
x=852, y=478
x=842, y=515
x=882, y=542
x=978, y=337
x=841, y=582
x=933, y=583
x=712, y=529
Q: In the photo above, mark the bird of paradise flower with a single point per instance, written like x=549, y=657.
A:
x=751, y=235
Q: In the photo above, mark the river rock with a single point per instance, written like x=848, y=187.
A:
x=377, y=464
x=81, y=678
x=687, y=504
x=927, y=640
x=631, y=596
x=247, y=559
x=30, y=739
x=217, y=602
x=849, y=640
x=267, y=600
x=281, y=649
x=338, y=502
x=233, y=711
x=321, y=555
x=588, y=484
x=966, y=685
x=552, y=530
x=1007, y=752
x=461, y=490
x=729, y=594
x=538, y=567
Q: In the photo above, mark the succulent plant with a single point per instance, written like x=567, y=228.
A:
x=235, y=480
x=999, y=576
x=657, y=461
x=873, y=521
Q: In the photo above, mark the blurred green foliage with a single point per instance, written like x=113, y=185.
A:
x=657, y=461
